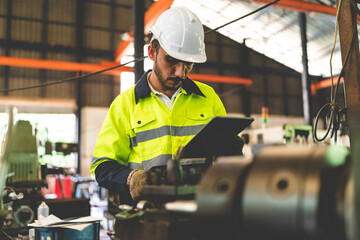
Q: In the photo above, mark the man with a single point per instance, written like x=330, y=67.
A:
x=147, y=124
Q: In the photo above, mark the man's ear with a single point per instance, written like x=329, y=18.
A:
x=151, y=52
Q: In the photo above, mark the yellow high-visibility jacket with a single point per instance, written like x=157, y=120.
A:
x=140, y=132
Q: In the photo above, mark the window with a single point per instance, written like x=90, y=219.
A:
x=52, y=128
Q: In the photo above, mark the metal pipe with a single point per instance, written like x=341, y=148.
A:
x=305, y=80
x=79, y=103
x=182, y=206
x=44, y=33
x=266, y=86
x=7, y=49
x=244, y=71
x=138, y=20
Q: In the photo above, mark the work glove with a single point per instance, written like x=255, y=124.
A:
x=137, y=181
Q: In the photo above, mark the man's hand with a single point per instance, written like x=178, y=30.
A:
x=137, y=181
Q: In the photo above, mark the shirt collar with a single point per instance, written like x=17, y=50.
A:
x=142, y=89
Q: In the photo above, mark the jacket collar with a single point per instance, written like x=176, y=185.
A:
x=142, y=89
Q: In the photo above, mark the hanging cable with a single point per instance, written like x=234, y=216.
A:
x=334, y=111
x=5, y=234
x=246, y=15
x=71, y=78
x=120, y=65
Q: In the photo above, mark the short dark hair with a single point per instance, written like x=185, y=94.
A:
x=155, y=43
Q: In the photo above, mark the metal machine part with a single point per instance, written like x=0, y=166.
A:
x=17, y=216
x=4, y=153
x=182, y=206
x=11, y=195
x=24, y=215
x=218, y=197
x=302, y=188
x=284, y=192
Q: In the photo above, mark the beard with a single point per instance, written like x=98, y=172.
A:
x=171, y=83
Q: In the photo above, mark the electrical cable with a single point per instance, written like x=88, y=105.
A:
x=71, y=78
x=244, y=16
x=334, y=109
x=331, y=104
x=135, y=60
x=5, y=234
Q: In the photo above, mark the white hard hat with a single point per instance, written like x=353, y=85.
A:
x=181, y=34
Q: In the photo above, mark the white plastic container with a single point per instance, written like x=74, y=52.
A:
x=43, y=210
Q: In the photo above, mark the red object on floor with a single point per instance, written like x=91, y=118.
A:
x=66, y=183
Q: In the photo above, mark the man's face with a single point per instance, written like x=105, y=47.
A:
x=170, y=71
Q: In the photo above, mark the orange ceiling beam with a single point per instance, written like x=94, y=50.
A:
x=62, y=66
x=86, y=67
x=221, y=79
x=123, y=47
x=324, y=84
x=154, y=11
x=301, y=6
x=150, y=17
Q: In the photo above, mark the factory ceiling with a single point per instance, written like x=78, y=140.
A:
x=275, y=31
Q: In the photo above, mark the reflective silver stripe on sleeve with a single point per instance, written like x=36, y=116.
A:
x=163, y=131
x=160, y=160
x=94, y=160
x=134, y=165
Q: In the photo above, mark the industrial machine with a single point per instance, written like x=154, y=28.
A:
x=284, y=192
x=22, y=178
x=286, y=134
x=281, y=192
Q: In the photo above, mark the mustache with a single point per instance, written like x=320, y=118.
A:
x=177, y=79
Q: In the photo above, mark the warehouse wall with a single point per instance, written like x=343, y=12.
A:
x=74, y=31
x=274, y=85
x=90, y=31
x=92, y=120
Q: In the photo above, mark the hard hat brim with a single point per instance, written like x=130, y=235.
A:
x=187, y=57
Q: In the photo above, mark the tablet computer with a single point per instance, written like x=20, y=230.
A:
x=218, y=137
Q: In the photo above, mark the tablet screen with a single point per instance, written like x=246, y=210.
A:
x=216, y=138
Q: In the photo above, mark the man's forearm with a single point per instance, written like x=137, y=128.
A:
x=112, y=176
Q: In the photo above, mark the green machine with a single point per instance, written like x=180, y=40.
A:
x=298, y=132
x=21, y=181
x=23, y=160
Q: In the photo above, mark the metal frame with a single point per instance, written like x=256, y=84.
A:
x=244, y=71
x=7, y=49
x=305, y=80
x=301, y=6
x=138, y=20
x=265, y=86
x=44, y=32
